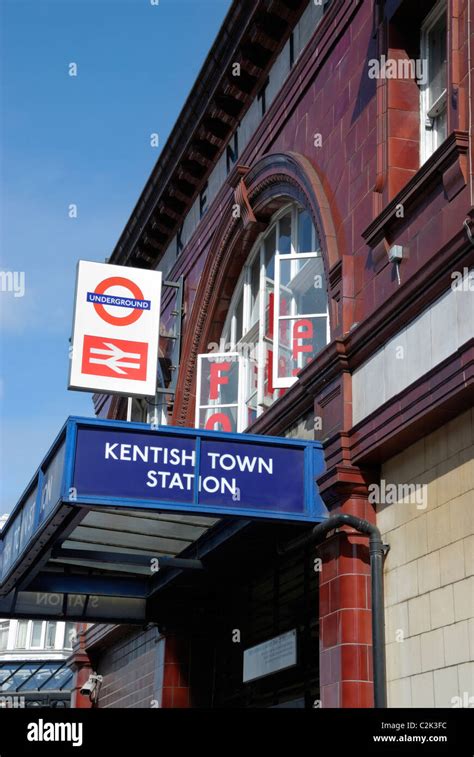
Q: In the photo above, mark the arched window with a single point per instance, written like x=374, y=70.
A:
x=277, y=322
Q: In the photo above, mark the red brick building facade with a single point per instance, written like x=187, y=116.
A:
x=346, y=127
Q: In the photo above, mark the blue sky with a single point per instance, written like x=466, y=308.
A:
x=82, y=140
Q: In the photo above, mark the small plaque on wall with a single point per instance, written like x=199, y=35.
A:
x=271, y=656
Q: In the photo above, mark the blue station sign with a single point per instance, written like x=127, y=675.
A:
x=130, y=465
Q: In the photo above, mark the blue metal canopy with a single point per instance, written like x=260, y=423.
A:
x=110, y=497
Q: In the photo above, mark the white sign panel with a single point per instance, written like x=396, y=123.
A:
x=116, y=330
x=273, y=655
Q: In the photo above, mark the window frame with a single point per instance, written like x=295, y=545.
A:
x=22, y=624
x=65, y=640
x=30, y=634
x=216, y=405
x=293, y=257
x=255, y=339
x=429, y=135
x=54, y=625
x=4, y=625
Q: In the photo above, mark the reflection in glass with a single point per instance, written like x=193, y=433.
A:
x=269, y=254
x=58, y=680
x=69, y=635
x=36, y=631
x=40, y=677
x=5, y=673
x=50, y=635
x=305, y=232
x=21, y=631
x=220, y=380
x=308, y=286
x=305, y=337
x=284, y=235
x=437, y=59
x=22, y=675
x=218, y=418
x=238, y=317
x=254, y=290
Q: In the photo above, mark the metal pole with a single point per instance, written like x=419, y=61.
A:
x=378, y=620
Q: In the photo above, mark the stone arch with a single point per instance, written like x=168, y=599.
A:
x=270, y=183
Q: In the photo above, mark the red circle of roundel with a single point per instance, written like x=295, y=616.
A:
x=113, y=319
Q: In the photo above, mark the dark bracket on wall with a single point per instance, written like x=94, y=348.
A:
x=177, y=313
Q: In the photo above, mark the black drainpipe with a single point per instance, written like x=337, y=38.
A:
x=377, y=550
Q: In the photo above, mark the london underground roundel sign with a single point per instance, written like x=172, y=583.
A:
x=116, y=330
x=132, y=302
